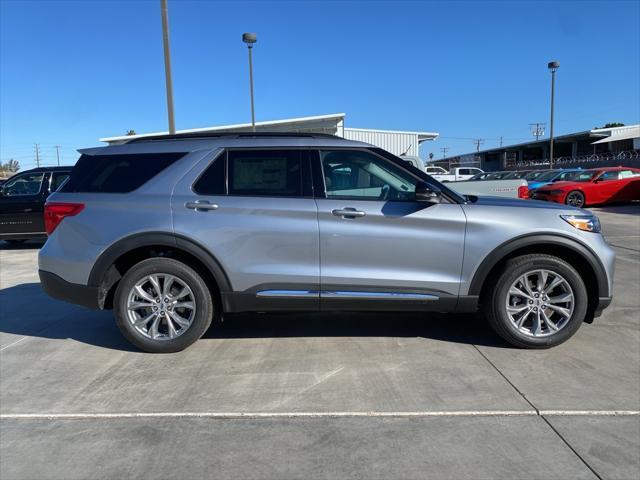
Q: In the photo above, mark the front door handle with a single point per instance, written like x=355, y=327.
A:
x=201, y=205
x=348, y=212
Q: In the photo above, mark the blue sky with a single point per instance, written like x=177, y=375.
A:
x=71, y=72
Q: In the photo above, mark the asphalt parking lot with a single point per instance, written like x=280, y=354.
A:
x=318, y=396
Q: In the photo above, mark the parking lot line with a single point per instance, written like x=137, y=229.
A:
x=255, y=415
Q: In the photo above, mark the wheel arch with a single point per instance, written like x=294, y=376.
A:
x=126, y=252
x=580, y=256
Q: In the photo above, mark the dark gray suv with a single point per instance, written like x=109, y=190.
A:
x=173, y=231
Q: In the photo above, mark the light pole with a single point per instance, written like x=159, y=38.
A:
x=250, y=39
x=553, y=67
x=167, y=65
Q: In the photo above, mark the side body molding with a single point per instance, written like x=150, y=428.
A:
x=524, y=241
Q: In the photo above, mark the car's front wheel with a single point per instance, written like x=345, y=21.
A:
x=162, y=305
x=538, y=301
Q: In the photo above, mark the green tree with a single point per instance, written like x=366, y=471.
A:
x=612, y=125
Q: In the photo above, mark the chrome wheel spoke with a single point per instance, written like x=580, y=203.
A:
x=153, y=329
x=516, y=291
x=142, y=322
x=518, y=309
x=542, y=280
x=170, y=327
x=153, y=279
x=183, y=322
x=548, y=321
x=565, y=312
x=189, y=305
x=168, y=283
x=564, y=298
x=138, y=305
x=142, y=293
x=556, y=281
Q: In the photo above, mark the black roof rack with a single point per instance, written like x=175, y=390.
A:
x=230, y=134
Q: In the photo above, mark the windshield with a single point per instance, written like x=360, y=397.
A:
x=547, y=176
x=581, y=177
x=534, y=175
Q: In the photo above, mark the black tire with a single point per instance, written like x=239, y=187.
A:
x=496, y=298
x=201, y=295
x=575, y=198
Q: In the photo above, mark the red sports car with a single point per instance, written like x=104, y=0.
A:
x=593, y=187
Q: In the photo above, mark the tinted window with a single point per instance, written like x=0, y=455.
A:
x=611, y=175
x=364, y=176
x=116, y=173
x=24, y=184
x=57, y=180
x=265, y=173
x=628, y=174
x=213, y=180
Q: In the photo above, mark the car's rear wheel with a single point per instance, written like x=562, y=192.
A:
x=575, y=199
x=538, y=301
x=162, y=305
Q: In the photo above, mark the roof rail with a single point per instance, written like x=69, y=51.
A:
x=230, y=134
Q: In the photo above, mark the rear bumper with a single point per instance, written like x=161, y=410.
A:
x=60, y=289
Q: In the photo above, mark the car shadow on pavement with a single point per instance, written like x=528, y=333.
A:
x=621, y=208
x=28, y=311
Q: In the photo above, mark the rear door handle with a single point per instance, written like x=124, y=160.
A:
x=348, y=212
x=201, y=205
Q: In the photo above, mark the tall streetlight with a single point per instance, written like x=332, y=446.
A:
x=250, y=39
x=553, y=67
x=167, y=65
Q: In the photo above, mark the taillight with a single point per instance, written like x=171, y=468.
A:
x=55, y=212
x=523, y=191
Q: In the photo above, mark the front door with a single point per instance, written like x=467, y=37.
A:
x=379, y=248
x=22, y=205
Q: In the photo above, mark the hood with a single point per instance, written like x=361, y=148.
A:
x=519, y=203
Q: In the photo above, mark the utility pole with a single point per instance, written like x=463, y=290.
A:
x=444, y=151
x=58, y=153
x=167, y=65
x=38, y=154
x=553, y=67
x=500, y=141
x=537, y=129
x=478, y=142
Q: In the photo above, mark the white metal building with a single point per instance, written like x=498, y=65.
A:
x=394, y=141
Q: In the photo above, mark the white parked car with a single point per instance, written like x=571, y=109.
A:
x=456, y=175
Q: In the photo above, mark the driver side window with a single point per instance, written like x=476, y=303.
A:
x=361, y=175
x=25, y=184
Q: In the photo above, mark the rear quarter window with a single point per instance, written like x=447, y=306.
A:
x=116, y=173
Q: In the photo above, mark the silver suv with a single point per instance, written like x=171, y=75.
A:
x=172, y=232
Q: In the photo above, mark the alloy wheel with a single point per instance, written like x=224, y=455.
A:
x=161, y=306
x=540, y=303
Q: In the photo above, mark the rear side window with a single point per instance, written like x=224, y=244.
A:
x=276, y=173
x=57, y=180
x=213, y=180
x=116, y=173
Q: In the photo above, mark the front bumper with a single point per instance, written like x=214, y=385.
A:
x=59, y=288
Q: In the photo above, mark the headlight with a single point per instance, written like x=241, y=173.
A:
x=587, y=223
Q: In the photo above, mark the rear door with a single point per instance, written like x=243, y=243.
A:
x=253, y=209
x=22, y=204
x=379, y=248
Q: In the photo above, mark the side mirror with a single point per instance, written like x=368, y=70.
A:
x=427, y=193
